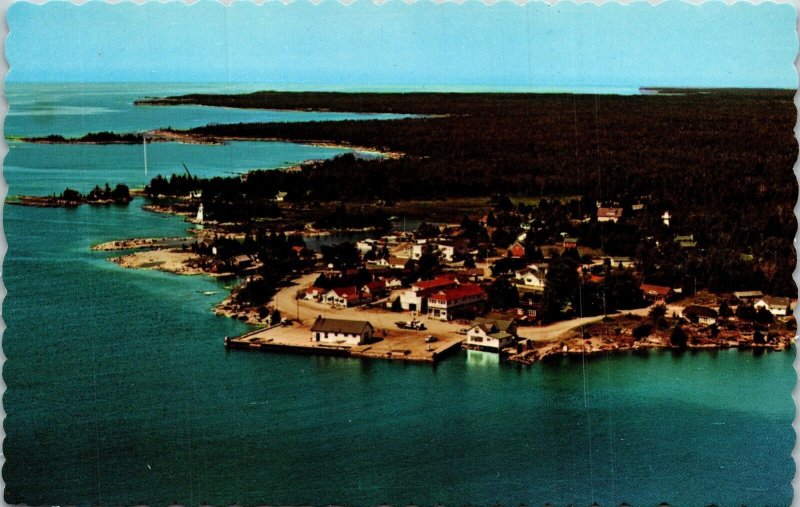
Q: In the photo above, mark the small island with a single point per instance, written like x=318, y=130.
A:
x=71, y=198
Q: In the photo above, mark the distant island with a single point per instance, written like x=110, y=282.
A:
x=69, y=198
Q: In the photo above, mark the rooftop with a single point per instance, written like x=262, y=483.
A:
x=323, y=325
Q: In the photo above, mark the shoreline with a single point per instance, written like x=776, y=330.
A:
x=168, y=136
x=563, y=344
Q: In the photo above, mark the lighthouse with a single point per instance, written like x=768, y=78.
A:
x=199, y=217
x=665, y=218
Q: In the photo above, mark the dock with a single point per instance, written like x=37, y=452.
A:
x=394, y=346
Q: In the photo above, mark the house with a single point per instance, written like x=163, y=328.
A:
x=391, y=263
x=417, y=249
x=780, y=307
x=374, y=289
x=491, y=334
x=656, y=294
x=531, y=305
x=517, y=250
x=748, y=296
x=451, y=250
x=392, y=282
x=686, y=241
x=703, y=314
x=340, y=331
x=345, y=297
x=314, y=293
x=622, y=262
x=415, y=299
x=366, y=245
x=530, y=278
x=281, y=196
x=609, y=214
x=447, y=303
x=470, y=274
x=243, y=262
x=569, y=242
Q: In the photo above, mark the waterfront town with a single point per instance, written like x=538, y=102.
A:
x=411, y=246
x=492, y=283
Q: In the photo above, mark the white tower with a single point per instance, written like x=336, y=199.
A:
x=665, y=218
x=199, y=217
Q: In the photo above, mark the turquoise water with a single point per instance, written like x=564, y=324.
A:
x=120, y=392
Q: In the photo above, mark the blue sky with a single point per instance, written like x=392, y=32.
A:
x=397, y=44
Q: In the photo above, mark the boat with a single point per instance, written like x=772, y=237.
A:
x=210, y=292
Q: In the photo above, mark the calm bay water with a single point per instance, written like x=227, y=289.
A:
x=120, y=392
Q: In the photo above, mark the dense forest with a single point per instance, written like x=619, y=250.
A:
x=719, y=161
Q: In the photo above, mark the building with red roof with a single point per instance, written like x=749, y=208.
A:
x=609, y=214
x=345, y=297
x=656, y=294
x=446, y=303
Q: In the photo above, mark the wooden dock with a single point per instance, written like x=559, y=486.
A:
x=403, y=347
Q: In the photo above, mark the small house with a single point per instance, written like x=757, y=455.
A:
x=686, y=241
x=703, y=314
x=490, y=334
x=569, y=242
x=517, y=250
x=780, y=307
x=609, y=214
x=530, y=278
x=314, y=293
x=345, y=297
x=748, y=296
x=656, y=294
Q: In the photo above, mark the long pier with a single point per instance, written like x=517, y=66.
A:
x=407, y=347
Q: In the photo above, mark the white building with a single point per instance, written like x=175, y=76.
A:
x=780, y=307
x=444, y=304
x=314, y=293
x=344, y=297
x=341, y=332
x=530, y=278
x=365, y=245
x=491, y=334
x=415, y=299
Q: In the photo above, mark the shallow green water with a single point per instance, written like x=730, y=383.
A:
x=120, y=392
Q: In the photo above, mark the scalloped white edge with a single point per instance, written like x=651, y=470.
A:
x=5, y=4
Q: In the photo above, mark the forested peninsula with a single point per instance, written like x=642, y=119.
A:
x=719, y=161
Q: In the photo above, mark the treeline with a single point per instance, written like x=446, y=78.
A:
x=119, y=194
x=90, y=138
x=720, y=162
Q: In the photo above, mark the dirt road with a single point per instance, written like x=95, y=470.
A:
x=382, y=319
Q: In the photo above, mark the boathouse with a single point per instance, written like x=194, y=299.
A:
x=491, y=334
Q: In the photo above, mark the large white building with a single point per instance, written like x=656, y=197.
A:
x=415, y=299
x=444, y=304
